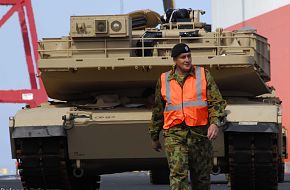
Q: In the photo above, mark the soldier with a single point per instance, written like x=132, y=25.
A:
x=189, y=108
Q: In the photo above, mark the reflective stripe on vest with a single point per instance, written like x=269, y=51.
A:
x=197, y=104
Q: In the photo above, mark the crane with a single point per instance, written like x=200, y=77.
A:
x=36, y=95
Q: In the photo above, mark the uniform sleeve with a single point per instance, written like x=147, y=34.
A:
x=157, y=119
x=216, y=103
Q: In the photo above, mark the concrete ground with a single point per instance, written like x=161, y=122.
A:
x=132, y=181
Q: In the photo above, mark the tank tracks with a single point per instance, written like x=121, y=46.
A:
x=253, y=161
x=43, y=164
x=159, y=177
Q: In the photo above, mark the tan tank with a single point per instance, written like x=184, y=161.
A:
x=101, y=80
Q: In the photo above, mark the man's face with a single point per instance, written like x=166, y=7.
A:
x=183, y=62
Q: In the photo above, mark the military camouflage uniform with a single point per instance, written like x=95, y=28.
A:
x=188, y=148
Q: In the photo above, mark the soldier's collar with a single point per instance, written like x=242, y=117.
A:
x=172, y=72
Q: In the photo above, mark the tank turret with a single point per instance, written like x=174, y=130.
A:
x=105, y=52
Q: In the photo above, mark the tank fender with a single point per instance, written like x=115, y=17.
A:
x=38, y=131
x=258, y=127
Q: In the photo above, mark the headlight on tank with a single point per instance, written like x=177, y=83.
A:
x=116, y=26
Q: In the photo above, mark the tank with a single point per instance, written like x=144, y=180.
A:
x=101, y=80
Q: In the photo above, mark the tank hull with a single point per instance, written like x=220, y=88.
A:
x=117, y=140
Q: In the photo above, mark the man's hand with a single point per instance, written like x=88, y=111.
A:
x=212, y=131
x=156, y=145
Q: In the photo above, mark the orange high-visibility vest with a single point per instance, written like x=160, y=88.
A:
x=185, y=104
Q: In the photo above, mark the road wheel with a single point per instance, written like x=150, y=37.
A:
x=86, y=183
x=281, y=172
x=159, y=177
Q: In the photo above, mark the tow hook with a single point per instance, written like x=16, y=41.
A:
x=216, y=170
x=78, y=172
x=69, y=119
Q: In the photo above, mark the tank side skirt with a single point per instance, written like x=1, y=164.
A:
x=260, y=127
x=38, y=131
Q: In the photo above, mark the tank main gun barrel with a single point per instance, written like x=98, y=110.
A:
x=168, y=4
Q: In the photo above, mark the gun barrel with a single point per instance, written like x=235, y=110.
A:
x=168, y=4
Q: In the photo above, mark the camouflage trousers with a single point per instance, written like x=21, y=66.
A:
x=188, y=150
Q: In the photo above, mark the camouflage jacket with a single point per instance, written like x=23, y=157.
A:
x=216, y=104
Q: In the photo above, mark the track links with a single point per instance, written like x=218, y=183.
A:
x=43, y=163
x=253, y=161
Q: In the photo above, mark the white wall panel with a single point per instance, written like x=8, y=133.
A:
x=229, y=12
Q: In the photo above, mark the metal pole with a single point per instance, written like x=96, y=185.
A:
x=121, y=6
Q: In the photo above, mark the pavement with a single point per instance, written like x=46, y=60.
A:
x=132, y=181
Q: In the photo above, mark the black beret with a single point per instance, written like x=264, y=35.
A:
x=179, y=49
